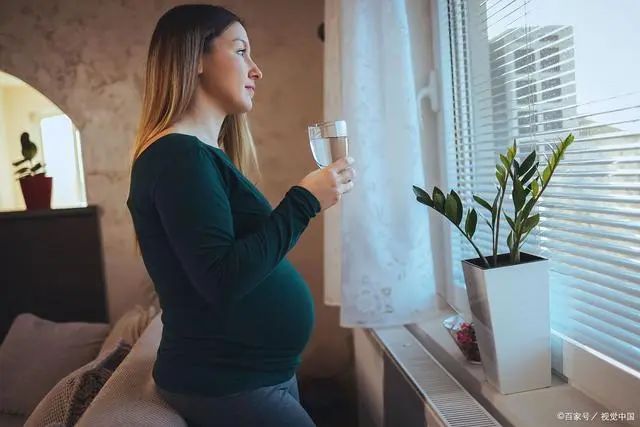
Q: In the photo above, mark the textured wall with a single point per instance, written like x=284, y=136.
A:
x=88, y=58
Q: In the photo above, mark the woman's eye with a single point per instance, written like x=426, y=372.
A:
x=242, y=52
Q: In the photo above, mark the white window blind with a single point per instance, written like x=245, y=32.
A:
x=535, y=70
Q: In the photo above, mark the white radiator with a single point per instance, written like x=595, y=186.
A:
x=446, y=402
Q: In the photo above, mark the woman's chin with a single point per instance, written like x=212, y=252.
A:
x=244, y=106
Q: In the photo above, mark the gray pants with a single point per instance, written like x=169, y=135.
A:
x=271, y=406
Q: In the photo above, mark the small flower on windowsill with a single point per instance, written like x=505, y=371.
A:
x=465, y=337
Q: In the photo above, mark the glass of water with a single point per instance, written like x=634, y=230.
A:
x=329, y=142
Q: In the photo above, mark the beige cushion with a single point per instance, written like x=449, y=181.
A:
x=37, y=353
x=129, y=327
x=67, y=400
x=129, y=398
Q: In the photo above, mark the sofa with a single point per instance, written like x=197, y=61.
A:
x=129, y=397
x=124, y=396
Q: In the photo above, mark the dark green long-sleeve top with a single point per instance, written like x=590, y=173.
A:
x=236, y=313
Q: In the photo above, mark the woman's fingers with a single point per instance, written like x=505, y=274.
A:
x=339, y=165
x=346, y=187
x=347, y=175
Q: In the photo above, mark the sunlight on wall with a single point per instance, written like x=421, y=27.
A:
x=63, y=161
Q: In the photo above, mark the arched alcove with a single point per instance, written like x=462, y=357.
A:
x=23, y=109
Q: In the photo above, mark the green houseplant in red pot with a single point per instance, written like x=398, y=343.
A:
x=36, y=187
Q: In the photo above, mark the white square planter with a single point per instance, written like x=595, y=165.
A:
x=510, y=309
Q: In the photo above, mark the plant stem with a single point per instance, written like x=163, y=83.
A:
x=484, y=260
x=497, y=227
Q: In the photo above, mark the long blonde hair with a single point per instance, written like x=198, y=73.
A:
x=181, y=36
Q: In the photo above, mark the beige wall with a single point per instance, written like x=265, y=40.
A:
x=7, y=193
x=21, y=109
x=88, y=58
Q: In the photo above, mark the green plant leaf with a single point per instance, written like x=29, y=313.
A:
x=425, y=201
x=471, y=223
x=534, y=188
x=530, y=223
x=510, y=221
x=438, y=200
x=516, y=168
x=19, y=162
x=518, y=195
x=511, y=151
x=527, y=163
x=36, y=167
x=494, y=209
x=510, y=241
x=483, y=203
x=567, y=142
x=21, y=171
x=546, y=174
x=527, y=176
x=527, y=208
x=451, y=209
x=504, y=161
x=419, y=192
x=501, y=175
x=459, y=208
x=422, y=196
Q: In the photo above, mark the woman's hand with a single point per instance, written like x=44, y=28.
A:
x=330, y=183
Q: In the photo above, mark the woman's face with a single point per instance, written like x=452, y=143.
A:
x=227, y=72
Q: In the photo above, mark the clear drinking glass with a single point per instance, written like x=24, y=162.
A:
x=329, y=142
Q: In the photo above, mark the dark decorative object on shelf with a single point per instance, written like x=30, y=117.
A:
x=321, y=31
x=36, y=187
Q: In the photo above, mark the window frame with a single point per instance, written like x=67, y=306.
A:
x=576, y=363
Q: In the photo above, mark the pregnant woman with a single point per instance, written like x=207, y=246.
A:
x=236, y=313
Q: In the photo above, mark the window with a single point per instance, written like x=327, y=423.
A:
x=589, y=226
x=550, y=57
x=526, y=123
x=525, y=92
x=63, y=161
x=525, y=61
x=550, y=119
x=548, y=93
x=550, y=39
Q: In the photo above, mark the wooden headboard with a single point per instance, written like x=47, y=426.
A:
x=51, y=265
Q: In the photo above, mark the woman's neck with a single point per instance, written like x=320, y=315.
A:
x=203, y=120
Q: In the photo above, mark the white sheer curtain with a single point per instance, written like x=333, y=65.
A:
x=378, y=262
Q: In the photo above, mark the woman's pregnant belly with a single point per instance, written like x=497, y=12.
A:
x=277, y=316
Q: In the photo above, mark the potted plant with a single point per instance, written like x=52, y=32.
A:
x=36, y=187
x=508, y=293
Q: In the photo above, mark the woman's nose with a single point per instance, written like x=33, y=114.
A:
x=255, y=73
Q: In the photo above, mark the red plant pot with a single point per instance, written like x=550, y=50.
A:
x=36, y=191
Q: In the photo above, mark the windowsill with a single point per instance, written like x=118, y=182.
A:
x=533, y=408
